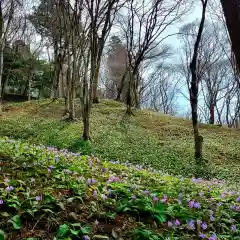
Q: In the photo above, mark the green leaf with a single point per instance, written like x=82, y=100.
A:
x=63, y=230
x=76, y=224
x=86, y=230
x=100, y=237
x=75, y=232
x=16, y=222
x=2, y=235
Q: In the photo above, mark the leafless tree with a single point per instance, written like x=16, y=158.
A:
x=194, y=86
x=144, y=26
x=8, y=9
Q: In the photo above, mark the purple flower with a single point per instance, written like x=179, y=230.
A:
x=177, y=223
x=202, y=235
x=197, y=205
x=1, y=202
x=86, y=237
x=199, y=222
x=219, y=204
x=204, y=226
x=164, y=199
x=6, y=180
x=155, y=199
x=9, y=188
x=38, y=198
x=134, y=197
x=213, y=237
x=238, y=199
x=212, y=218
x=90, y=163
x=113, y=179
x=49, y=170
x=234, y=228
x=95, y=194
x=191, y=225
x=191, y=204
x=51, y=167
x=170, y=224
x=91, y=181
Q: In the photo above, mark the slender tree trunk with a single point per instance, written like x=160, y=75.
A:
x=232, y=15
x=1, y=72
x=198, y=140
x=120, y=89
x=72, y=92
x=95, y=84
x=212, y=114
x=129, y=97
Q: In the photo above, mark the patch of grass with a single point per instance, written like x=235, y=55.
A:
x=148, y=138
x=46, y=193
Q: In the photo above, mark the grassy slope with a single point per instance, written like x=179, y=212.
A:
x=160, y=141
x=48, y=194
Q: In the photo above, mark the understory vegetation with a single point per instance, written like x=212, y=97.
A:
x=147, y=139
x=56, y=194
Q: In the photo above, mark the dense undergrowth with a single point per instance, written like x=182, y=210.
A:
x=158, y=141
x=55, y=194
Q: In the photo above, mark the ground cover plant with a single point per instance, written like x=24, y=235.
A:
x=56, y=194
x=151, y=139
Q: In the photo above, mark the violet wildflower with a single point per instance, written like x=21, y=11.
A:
x=90, y=163
x=1, y=202
x=204, y=226
x=234, y=228
x=134, y=197
x=199, y=222
x=86, y=237
x=212, y=218
x=95, y=194
x=177, y=223
x=191, y=204
x=197, y=205
x=164, y=199
x=219, y=204
x=202, y=236
x=6, y=180
x=213, y=237
x=155, y=199
x=170, y=224
x=38, y=198
x=9, y=188
x=191, y=225
x=238, y=199
x=91, y=181
x=49, y=170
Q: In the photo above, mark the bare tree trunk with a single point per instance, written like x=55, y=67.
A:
x=1, y=72
x=120, y=89
x=212, y=114
x=198, y=140
x=231, y=13
x=95, y=84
